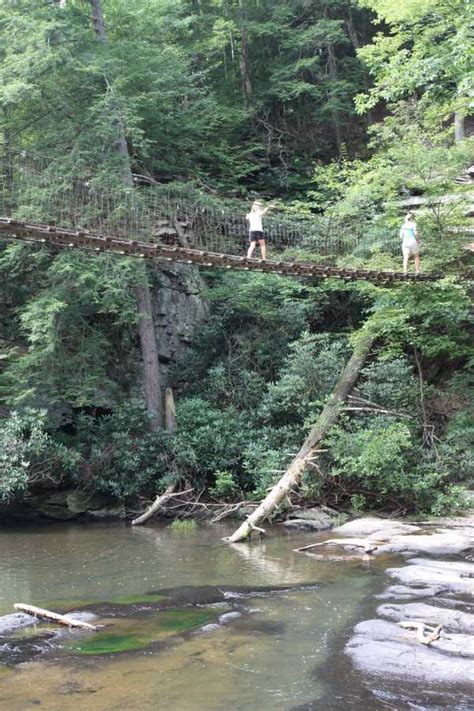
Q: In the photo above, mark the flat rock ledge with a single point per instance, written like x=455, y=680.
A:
x=382, y=529
x=385, y=649
x=428, y=593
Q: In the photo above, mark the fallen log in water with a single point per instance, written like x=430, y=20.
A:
x=310, y=447
x=155, y=506
x=54, y=617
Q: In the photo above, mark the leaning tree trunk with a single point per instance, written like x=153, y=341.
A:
x=325, y=421
x=151, y=365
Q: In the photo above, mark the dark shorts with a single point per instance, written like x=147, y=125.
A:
x=256, y=236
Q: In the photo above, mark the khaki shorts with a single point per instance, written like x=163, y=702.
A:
x=410, y=247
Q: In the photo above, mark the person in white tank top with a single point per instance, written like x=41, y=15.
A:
x=254, y=218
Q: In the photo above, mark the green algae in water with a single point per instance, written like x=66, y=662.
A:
x=109, y=643
x=137, y=634
x=184, y=525
x=182, y=620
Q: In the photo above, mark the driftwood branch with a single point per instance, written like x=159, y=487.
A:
x=434, y=633
x=157, y=504
x=368, y=545
x=54, y=617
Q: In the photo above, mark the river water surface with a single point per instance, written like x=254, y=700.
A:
x=284, y=651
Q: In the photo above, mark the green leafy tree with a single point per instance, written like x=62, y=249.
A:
x=425, y=52
x=30, y=459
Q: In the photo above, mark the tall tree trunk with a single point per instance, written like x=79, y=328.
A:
x=459, y=133
x=7, y=168
x=152, y=375
x=149, y=348
x=353, y=36
x=98, y=20
x=325, y=421
x=244, y=56
x=332, y=70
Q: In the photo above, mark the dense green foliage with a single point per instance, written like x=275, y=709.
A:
x=340, y=109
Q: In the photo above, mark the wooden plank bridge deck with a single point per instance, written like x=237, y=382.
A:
x=82, y=239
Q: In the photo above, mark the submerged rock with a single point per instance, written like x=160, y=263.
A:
x=112, y=512
x=15, y=621
x=134, y=623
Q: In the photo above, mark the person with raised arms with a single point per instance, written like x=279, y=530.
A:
x=254, y=218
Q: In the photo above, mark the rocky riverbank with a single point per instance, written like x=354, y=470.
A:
x=424, y=629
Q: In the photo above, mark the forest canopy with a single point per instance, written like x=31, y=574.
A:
x=348, y=111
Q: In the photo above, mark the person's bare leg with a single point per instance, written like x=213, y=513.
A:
x=251, y=249
x=417, y=264
x=263, y=248
x=406, y=257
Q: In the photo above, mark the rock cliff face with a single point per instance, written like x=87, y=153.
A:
x=179, y=310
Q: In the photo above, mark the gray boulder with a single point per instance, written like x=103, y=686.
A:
x=15, y=621
x=314, y=519
x=445, y=543
x=384, y=649
x=55, y=506
x=405, y=592
x=377, y=528
x=79, y=502
x=433, y=578
x=451, y=620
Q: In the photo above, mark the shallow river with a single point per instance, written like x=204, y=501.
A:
x=284, y=651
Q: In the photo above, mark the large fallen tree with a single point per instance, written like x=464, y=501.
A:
x=309, y=450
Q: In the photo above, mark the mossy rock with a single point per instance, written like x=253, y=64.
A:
x=132, y=634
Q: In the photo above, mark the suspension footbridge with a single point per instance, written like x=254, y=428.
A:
x=167, y=223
